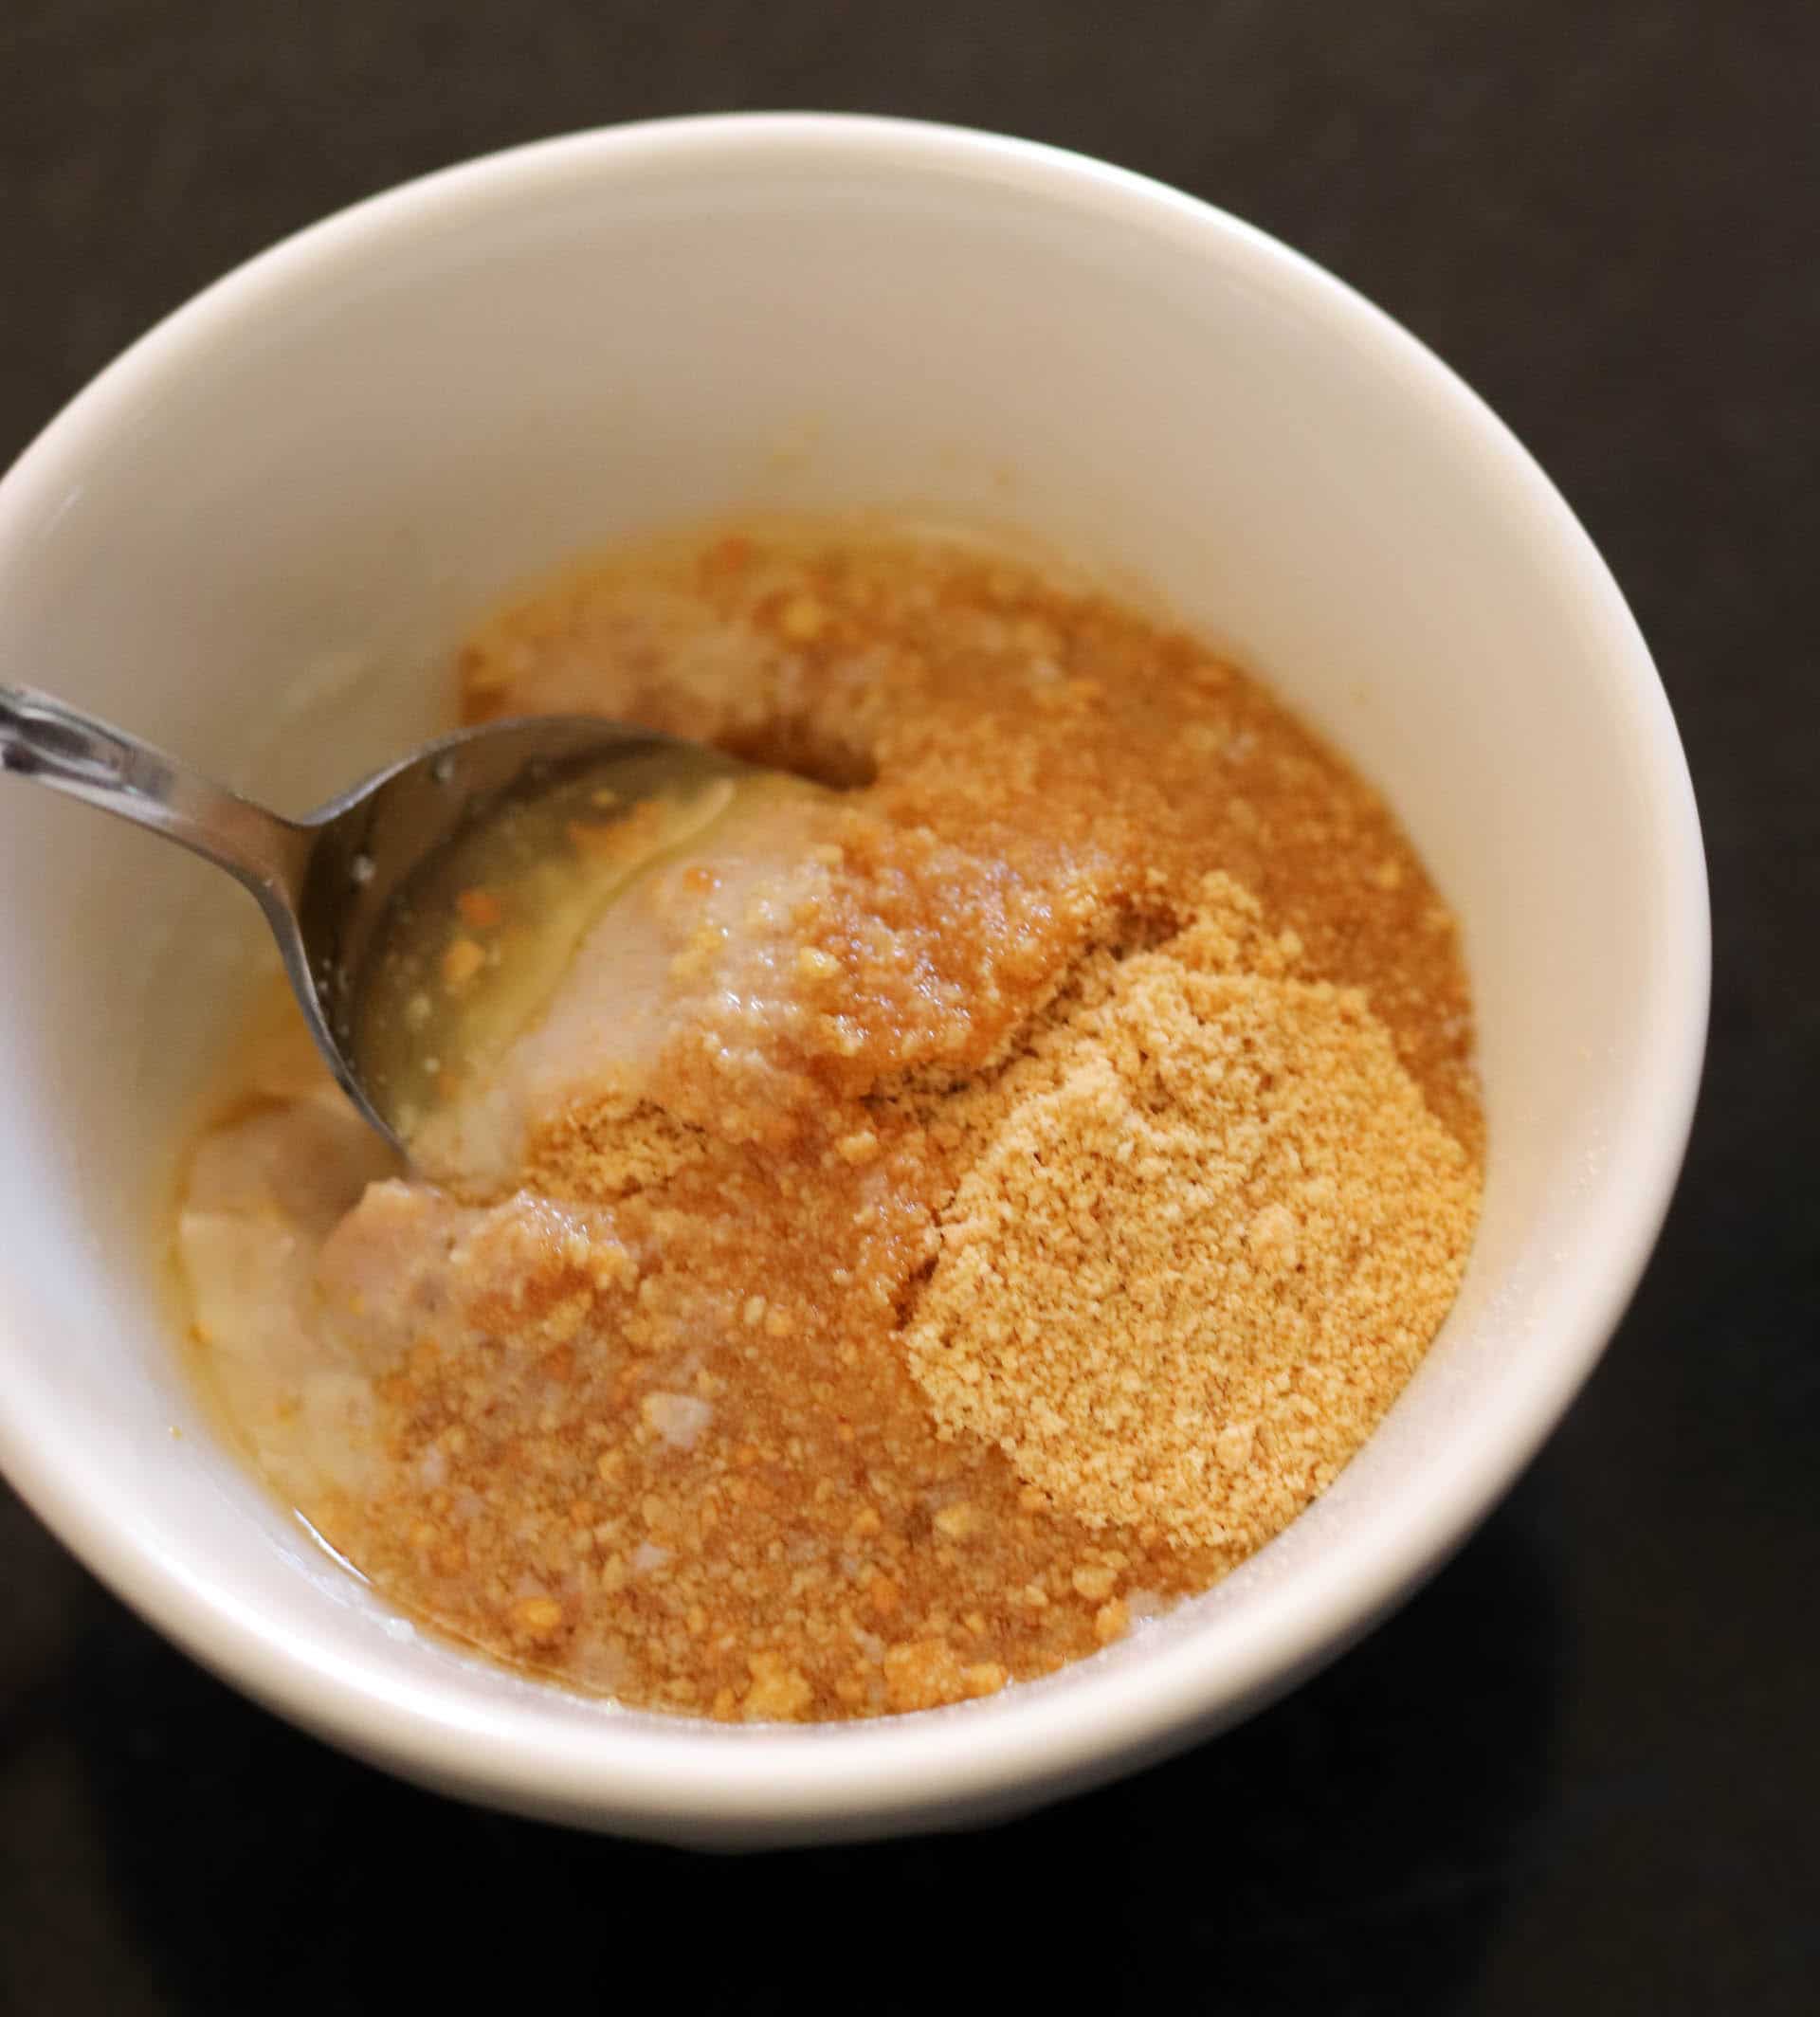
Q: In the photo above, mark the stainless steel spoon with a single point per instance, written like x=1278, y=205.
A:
x=326, y=882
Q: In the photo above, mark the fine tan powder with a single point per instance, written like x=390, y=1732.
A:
x=1204, y=1249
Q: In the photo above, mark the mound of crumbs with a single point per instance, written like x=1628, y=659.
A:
x=977, y=1181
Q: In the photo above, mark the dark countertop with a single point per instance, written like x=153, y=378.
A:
x=1581, y=1771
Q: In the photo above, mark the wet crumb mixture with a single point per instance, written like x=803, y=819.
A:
x=959, y=1200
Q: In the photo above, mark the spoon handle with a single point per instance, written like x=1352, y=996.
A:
x=55, y=745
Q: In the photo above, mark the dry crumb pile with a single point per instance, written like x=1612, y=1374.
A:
x=1056, y=1151
x=1205, y=1246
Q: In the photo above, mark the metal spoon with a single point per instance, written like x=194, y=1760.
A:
x=326, y=882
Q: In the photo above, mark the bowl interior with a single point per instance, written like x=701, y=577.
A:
x=256, y=539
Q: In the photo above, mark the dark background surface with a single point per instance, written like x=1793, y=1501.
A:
x=1582, y=1770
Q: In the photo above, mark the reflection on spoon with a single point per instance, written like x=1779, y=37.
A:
x=427, y=915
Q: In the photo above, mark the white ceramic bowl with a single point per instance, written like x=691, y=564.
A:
x=255, y=535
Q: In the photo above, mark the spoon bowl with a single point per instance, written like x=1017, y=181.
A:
x=330, y=883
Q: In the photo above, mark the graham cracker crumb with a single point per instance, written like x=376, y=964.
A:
x=1204, y=1249
x=1045, y=1165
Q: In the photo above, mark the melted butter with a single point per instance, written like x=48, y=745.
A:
x=486, y=932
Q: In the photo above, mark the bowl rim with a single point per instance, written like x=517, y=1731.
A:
x=827, y=1779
